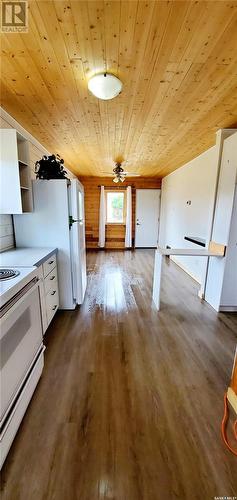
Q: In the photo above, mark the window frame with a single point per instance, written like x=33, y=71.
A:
x=124, y=207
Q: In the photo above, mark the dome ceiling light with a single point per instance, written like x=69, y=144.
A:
x=105, y=86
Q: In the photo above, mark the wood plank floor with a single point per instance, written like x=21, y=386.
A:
x=130, y=401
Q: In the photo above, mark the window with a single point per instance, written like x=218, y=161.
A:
x=115, y=207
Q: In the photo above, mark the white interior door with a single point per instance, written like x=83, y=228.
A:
x=147, y=217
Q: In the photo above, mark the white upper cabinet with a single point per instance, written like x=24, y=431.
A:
x=15, y=178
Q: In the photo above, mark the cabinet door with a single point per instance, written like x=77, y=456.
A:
x=10, y=192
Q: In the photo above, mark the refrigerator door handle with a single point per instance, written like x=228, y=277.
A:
x=71, y=221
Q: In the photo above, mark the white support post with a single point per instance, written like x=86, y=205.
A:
x=157, y=279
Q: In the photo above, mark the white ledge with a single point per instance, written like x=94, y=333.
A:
x=187, y=251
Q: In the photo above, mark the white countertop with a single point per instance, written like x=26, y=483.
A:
x=25, y=257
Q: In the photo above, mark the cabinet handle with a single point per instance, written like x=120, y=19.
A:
x=51, y=279
x=53, y=308
x=50, y=262
x=53, y=293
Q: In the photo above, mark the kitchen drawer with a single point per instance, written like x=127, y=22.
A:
x=49, y=264
x=51, y=281
x=52, y=303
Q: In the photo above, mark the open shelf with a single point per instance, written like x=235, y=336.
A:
x=15, y=156
x=24, y=173
x=22, y=149
x=26, y=200
x=22, y=163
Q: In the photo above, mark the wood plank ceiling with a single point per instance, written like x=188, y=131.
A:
x=177, y=61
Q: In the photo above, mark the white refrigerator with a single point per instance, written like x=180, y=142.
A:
x=58, y=221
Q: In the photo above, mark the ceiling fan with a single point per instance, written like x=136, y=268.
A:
x=119, y=173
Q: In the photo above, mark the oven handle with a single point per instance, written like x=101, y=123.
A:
x=15, y=302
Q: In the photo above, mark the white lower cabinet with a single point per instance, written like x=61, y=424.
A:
x=45, y=259
x=51, y=304
x=49, y=265
x=51, y=281
x=49, y=290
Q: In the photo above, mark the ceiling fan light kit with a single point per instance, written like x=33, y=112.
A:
x=119, y=174
x=105, y=86
x=119, y=178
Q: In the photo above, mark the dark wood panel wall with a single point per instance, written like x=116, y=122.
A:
x=115, y=234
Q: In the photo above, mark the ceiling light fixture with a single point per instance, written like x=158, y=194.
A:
x=105, y=86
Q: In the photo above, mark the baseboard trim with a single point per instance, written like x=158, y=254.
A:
x=228, y=309
x=108, y=249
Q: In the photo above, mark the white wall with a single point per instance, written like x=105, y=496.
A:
x=36, y=151
x=222, y=272
x=195, y=181
x=229, y=286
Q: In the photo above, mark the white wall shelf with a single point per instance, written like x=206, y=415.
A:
x=15, y=187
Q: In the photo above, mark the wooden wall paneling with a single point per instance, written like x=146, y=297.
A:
x=115, y=234
x=177, y=62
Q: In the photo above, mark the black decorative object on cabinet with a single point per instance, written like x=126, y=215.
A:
x=50, y=167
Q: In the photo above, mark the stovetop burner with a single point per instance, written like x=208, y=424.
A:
x=7, y=274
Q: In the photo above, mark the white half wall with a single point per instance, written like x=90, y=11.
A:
x=187, y=204
x=221, y=283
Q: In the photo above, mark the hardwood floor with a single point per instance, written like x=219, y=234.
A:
x=130, y=402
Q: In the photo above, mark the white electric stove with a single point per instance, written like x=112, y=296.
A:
x=22, y=349
x=13, y=279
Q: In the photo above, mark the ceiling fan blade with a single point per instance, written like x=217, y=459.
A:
x=125, y=174
x=131, y=174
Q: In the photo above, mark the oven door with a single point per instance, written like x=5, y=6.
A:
x=21, y=335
